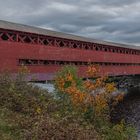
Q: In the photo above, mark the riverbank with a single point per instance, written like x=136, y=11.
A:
x=129, y=109
x=72, y=111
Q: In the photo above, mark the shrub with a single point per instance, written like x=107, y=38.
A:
x=28, y=112
x=91, y=100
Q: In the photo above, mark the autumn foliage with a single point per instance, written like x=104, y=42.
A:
x=94, y=95
x=91, y=100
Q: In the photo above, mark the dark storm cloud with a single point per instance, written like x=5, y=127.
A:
x=113, y=2
x=113, y=20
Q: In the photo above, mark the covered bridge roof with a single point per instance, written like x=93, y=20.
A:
x=41, y=31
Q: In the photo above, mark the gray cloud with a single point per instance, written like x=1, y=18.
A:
x=111, y=20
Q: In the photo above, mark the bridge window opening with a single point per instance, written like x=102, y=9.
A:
x=101, y=64
x=22, y=61
x=46, y=62
x=61, y=63
x=61, y=44
x=56, y=62
x=28, y=62
x=96, y=49
x=81, y=63
x=75, y=46
x=27, y=40
x=77, y=63
x=45, y=42
x=84, y=63
x=4, y=37
x=105, y=49
x=64, y=63
x=51, y=62
x=86, y=47
x=41, y=62
x=35, y=62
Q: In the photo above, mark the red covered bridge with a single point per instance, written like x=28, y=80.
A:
x=44, y=52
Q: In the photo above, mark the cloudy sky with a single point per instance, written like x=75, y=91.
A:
x=111, y=20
